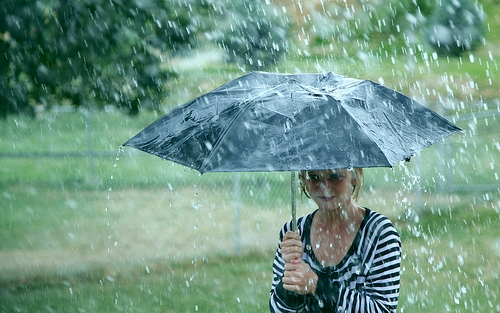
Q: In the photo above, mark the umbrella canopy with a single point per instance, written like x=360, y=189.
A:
x=290, y=122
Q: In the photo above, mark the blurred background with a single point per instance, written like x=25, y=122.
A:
x=87, y=226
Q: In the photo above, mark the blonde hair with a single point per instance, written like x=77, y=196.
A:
x=357, y=176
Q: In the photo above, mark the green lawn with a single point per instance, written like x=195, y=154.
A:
x=149, y=250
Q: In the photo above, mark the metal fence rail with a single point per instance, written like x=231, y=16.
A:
x=91, y=155
x=55, y=154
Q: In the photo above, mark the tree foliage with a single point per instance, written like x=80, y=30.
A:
x=369, y=21
x=455, y=26
x=98, y=53
x=89, y=51
x=253, y=34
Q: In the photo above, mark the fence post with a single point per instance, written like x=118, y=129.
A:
x=90, y=146
x=237, y=206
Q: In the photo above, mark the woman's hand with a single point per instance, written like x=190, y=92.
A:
x=299, y=277
x=291, y=247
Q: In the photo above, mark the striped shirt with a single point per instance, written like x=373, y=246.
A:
x=366, y=280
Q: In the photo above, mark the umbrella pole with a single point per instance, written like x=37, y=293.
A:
x=294, y=202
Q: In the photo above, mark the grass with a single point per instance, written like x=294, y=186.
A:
x=449, y=260
x=155, y=253
x=150, y=250
x=179, y=287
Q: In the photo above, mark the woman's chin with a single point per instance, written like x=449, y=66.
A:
x=329, y=206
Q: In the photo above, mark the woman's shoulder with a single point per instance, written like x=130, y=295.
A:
x=378, y=222
x=376, y=216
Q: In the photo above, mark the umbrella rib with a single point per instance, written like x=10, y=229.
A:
x=361, y=125
x=246, y=105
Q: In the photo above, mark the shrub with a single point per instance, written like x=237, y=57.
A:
x=455, y=26
x=253, y=34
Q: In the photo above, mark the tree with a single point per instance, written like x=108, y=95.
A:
x=253, y=34
x=368, y=21
x=89, y=52
x=456, y=26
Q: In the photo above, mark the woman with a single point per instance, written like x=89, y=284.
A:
x=344, y=258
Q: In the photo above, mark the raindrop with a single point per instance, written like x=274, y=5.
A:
x=320, y=303
x=197, y=206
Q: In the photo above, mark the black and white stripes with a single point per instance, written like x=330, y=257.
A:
x=366, y=280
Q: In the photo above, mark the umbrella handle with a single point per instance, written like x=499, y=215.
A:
x=293, y=185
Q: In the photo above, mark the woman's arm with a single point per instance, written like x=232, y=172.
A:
x=282, y=300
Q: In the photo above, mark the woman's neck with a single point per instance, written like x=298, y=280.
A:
x=341, y=217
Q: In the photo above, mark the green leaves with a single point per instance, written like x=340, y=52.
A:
x=253, y=34
x=455, y=27
x=88, y=52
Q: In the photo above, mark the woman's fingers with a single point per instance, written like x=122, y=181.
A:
x=291, y=252
x=291, y=246
x=291, y=240
x=291, y=235
x=299, y=277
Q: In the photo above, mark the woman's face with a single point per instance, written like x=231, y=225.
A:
x=330, y=189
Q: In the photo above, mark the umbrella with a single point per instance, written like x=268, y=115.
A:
x=290, y=122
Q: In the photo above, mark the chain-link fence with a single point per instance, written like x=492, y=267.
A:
x=465, y=162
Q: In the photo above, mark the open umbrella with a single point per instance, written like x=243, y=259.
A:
x=290, y=122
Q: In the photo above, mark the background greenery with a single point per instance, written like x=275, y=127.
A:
x=121, y=231
x=91, y=53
